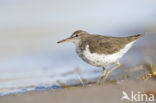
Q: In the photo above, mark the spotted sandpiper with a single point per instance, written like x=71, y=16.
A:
x=101, y=51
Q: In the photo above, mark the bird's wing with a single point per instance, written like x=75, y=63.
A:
x=107, y=45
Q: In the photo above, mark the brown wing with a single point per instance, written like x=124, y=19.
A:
x=107, y=44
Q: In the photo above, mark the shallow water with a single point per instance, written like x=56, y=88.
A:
x=25, y=73
x=45, y=70
x=30, y=59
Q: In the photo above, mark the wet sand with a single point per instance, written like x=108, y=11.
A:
x=108, y=93
x=128, y=79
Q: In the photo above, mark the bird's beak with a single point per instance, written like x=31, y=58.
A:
x=65, y=40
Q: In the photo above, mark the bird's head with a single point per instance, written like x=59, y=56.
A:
x=75, y=37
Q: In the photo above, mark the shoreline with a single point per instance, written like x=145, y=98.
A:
x=108, y=93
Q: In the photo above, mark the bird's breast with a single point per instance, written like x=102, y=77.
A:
x=101, y=60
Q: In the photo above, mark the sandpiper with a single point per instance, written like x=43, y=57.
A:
x=101, y=51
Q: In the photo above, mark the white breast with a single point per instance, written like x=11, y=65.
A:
x=102, y=60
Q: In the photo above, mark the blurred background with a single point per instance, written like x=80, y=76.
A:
x=29, y=30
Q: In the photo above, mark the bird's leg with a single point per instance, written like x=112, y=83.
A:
x=108, y=73
x=103, y=76
x=104, y=72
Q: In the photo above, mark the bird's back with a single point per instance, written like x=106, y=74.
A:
x=107, y=44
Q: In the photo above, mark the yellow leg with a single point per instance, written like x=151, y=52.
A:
x=108, y=73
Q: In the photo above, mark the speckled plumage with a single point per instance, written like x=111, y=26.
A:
x=103, y=51
x=99, y=50
x=102, y=60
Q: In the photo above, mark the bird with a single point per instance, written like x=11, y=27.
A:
x=101, y=50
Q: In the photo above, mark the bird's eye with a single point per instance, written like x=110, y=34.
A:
x=76, y=35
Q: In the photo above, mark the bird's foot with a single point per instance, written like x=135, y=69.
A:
x=102, y=80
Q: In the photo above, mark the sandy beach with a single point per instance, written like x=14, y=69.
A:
x=127, y=78
x=35, y=69
x=108, y=93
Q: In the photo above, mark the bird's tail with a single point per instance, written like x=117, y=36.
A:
x=135, y=37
